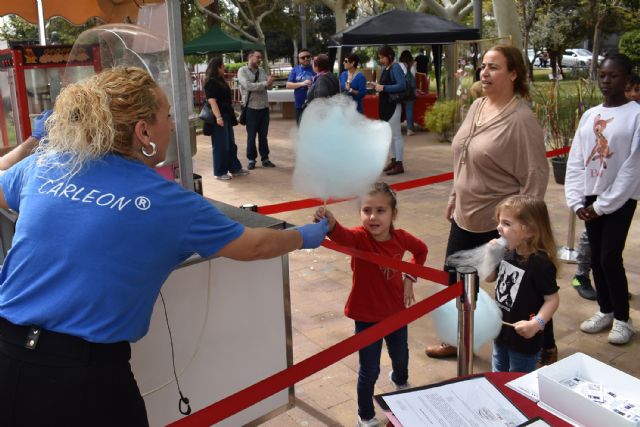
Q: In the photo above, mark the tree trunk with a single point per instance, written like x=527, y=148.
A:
x=506, y=12
x=596, y=48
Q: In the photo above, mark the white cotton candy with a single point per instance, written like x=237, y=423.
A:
x=484, y=258
x=339, y=152
x=487, y=319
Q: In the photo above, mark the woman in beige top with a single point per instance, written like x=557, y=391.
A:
x=498, y=152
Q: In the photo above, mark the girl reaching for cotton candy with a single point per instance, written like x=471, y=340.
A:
x=526, y=289
x=377, y=291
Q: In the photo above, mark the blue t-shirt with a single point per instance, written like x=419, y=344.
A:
x=299, y=74
x=90, y=252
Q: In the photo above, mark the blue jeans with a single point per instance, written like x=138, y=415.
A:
x=408, y=112
x=507, y=360
x=257, y=124
x=299, y=115
x=225, y=150
x=398, y=349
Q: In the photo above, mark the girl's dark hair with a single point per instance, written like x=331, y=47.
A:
x=622, y=60
x=212, y=71
x=634, y=80
x=354, y=59
x=387, y=51
x=406, y=58
x=515, y=62
x=380, y=187
x=322, y=62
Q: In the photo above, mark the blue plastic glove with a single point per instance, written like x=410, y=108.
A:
x=39, y=131
x=313, y=234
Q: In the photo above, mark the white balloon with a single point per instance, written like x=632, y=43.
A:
x=339, y=152
x=487, y=321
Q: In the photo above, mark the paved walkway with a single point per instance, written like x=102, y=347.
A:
x=321, y=279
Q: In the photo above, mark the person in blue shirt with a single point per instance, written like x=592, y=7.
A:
x=300, y=79
x=353, y=81
x=98, y=233
x=21, y=151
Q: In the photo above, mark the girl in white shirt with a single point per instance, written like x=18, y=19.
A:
x=602, y=186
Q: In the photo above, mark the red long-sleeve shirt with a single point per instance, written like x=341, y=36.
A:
x=377, y=291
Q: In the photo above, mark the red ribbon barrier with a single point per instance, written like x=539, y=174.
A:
x=261, y=390
x=399, y=186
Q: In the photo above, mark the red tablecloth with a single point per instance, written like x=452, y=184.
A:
x=527, y=406
x=423, y=102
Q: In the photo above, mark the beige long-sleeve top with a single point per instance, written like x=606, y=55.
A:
x=504, y=157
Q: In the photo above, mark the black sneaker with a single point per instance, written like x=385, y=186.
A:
x=582, y=284
x=251, y=166
x=268, y=164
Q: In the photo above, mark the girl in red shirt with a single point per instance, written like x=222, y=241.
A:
x=378, y=291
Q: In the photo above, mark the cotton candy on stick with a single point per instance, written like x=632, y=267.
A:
x=339, y=152
x=487, y=321
x=484, y=258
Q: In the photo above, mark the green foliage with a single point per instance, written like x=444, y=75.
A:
x=560, y=106
x=58, y=30
x=441, y=117
x=233, y=68
x=14, y=28
x=630, y=45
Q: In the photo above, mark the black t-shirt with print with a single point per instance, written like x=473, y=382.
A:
x=221, y=93
x=521, y=285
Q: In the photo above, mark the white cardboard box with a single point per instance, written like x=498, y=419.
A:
x=577, y=407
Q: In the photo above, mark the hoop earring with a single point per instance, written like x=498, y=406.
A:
x=153, y=152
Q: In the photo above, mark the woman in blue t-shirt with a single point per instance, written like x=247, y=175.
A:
x=99, y=232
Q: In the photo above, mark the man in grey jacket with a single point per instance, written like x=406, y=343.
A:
x=254, y=83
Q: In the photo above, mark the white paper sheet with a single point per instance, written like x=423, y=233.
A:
x=468, y=403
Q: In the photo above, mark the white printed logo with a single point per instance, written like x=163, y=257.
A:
x=143, y=203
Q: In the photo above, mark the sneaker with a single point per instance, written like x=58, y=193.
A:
x=597, y=323
x=268, y=164
x=223, y=177
x=621, y=332
x=241, y=172
x=547, y=357
x=251, y=166
x=410, y=132
x=582, y=284
x=396, y=385
x=373, y=422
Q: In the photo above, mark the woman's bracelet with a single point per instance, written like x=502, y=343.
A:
x=540, y=321
x=410, y=277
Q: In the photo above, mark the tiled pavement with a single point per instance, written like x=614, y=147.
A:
x=320, y=279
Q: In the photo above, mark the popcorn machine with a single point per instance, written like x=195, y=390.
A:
x=30, y=80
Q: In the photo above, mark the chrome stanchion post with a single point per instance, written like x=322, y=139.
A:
x=567, y=253
x=466, y=304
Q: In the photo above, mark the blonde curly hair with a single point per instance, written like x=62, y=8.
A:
x=97, y=116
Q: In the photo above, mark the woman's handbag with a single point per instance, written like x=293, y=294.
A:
x=206, y=115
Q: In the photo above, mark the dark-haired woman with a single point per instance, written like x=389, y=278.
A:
x=602, y=186
x=390, y=110
x=325, y=83
x=225, y=150
x=352, y=81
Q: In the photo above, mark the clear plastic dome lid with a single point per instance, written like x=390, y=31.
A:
x=123, y=45
x=126, y=45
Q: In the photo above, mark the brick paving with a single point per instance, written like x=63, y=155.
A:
x=320, y=279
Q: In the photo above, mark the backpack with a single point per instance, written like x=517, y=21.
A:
x=410, y=87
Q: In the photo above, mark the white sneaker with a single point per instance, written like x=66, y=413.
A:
x=597, y=323
x=395, y=385
x=373, y=422
x=621, y=332
x=410, y=132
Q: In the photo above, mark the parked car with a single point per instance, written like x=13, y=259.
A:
x=533, y=57
x=578, y=58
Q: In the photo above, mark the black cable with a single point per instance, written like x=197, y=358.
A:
x=183, y=399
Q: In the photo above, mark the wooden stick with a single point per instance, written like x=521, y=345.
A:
x=508, y=324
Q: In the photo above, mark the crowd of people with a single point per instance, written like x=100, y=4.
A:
x=60, y=338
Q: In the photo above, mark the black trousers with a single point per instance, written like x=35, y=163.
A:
x=66, y=381
x=607, y=237
x=257, y=125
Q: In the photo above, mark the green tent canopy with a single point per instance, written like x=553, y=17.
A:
x=216, y=40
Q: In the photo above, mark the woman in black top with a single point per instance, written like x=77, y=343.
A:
x=225, y=150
